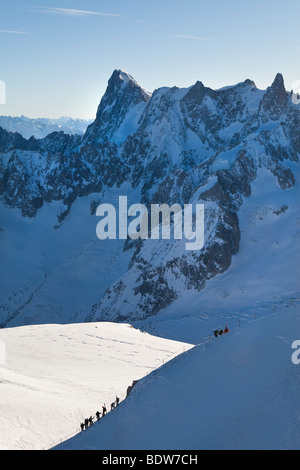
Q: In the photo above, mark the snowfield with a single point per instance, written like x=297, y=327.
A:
x=240, y=391
x=55, y=376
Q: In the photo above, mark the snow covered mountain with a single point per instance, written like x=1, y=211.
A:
x=235, y=150
x=119, y=111
x=41, y=127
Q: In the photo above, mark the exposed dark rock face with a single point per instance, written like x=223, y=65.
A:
x=130, y=388
x=275, y=101
x=122, y=94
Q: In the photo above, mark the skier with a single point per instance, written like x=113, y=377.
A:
x=112, y=406
x=103, y=410
x=86, y=423
x=82, y=427
x=117, y=401
x=216, y=333
x=98, y=415
x=226, y=330
x=91, y=421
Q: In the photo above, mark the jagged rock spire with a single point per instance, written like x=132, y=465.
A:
x=275, y=100
x=122, y=94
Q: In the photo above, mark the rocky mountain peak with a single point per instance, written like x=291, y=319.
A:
x=120, y=74
x=123, y=94
x=275, y=100
x=250, y=82
x=118, y=79
x=278, y=84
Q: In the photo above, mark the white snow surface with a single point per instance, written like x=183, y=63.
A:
x=64, y=270
x=130, y=124
x=57, y=375
x=240, y=391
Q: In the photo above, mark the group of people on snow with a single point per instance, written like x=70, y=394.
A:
x=90, y=421
x=220, y=332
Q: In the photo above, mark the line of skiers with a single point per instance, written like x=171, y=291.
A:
x=90, y=421
x=220, y=332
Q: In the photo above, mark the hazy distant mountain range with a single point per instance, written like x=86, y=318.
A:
x=41, y=127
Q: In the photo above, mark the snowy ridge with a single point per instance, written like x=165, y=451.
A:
x=231, y=408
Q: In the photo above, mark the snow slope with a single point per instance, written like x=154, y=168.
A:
x=240, y=391
x=63, y=270
x=55, y=376
x=264, y=274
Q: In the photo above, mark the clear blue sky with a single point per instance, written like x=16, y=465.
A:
x=62, y=63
